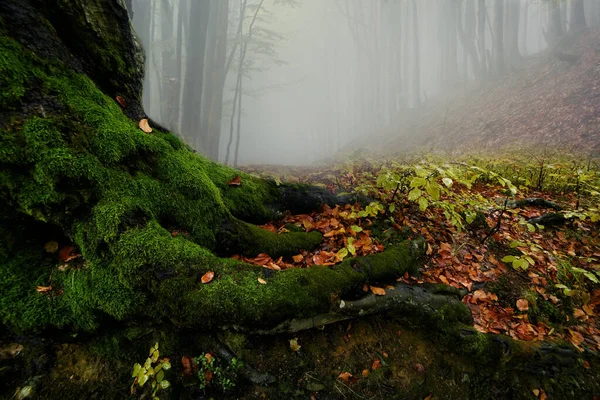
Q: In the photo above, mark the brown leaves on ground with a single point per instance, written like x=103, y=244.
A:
x=344, y=235
x=459, y=259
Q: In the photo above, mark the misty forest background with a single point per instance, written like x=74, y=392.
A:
x=357, y=70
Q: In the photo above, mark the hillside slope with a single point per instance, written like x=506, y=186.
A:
x=552, y=103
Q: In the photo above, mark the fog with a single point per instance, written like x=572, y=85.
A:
x=316, y=75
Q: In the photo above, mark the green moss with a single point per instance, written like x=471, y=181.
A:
x=13, y=74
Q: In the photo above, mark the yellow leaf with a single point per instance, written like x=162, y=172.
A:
x=262, y=281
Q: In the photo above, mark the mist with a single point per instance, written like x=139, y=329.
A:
x=321, y=76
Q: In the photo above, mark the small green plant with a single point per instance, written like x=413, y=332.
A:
x=213, y=375
x=153, y=370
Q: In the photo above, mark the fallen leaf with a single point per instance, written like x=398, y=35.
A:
x=420, y=368
x=522, y=305
x=237, y=181
x=207, y=277
x=377, y=291
x=365, y=373
x=536, y=392
x=145, y=126
x=121, y=101
x=186, y=362
x=262, y=281
x=43, y=289
x=586, y=364
x=51, y=246
x=429, y=397
x=294, y=345
x=298, y=258
x=376, y=364
x=345, y=376
x=67, y=254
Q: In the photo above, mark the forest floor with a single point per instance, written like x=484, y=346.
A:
x=528, y=269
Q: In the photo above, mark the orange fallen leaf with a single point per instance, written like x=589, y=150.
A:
x=376, y=364
x=145, y=126
x=365, y=373
x=207, y=277
x=445, y=247
x=586, y=364
x=377, y=291
x=429, y=397
x=345, y=376
x=67, y=254
x=237, y=181
x=522, y=305
x=298, y=258
x=121, y=101
x=43, y=289
x=262, y=281
x=186, y=363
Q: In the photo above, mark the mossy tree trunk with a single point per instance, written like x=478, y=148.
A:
x=75, y=169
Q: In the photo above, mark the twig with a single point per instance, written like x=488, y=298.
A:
x=496, y=228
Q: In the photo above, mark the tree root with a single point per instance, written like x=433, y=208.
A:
x=426, y=302
x=550, y=219
x=533, y=202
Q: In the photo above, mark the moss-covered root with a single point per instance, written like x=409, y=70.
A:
x=418, y=305
x=235, y=297
x=237, y=237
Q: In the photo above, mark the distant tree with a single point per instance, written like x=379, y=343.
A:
x=498, y=39
x=466, y=33
x=577, y=23
x=512, y=25
x=555, y=27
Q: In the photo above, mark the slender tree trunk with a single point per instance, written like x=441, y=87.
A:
x=555, y=25
x=481, y=18
x=577, y=23
x=193, y=85
x=498, y=38
x=416, y=57
x=244, y=49
x=513, y=14
x=237, y=93
x=467, y=36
